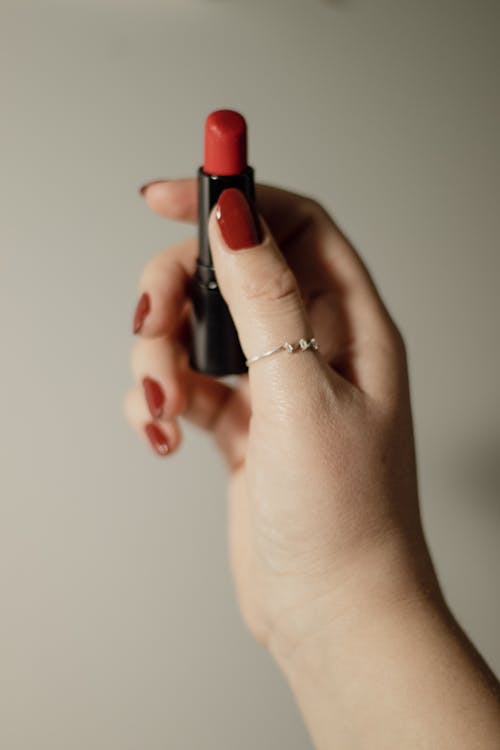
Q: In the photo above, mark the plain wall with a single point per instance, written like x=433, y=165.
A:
x=118, y=625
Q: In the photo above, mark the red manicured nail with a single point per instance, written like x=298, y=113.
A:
x=154, y=396
x=144, y=187
x=141, y=312
x=236, y=220
x=157, y=438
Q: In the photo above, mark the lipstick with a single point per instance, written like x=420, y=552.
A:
x=214, y=345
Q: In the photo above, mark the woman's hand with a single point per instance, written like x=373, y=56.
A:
x=319, y=446
x=331, y=567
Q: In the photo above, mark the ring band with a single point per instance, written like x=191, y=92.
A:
x=300, y=346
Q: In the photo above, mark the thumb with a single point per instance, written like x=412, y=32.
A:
x=260, y=290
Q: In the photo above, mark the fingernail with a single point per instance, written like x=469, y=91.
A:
x=155, y=397
x=144, y=187
x=141, y=312
x=236, y=220
x=157, y=438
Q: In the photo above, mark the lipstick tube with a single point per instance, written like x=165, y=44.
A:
x=214, y=345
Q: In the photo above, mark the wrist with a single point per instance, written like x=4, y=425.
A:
x=387, y=577
x=391, y=668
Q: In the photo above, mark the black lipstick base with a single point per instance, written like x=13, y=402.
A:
x=214, y=346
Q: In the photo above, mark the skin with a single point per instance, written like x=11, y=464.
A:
x=332, y=570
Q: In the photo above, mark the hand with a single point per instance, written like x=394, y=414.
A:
x=331, y=566
x=319, y=446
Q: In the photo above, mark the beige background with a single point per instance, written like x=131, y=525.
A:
x=118, y=627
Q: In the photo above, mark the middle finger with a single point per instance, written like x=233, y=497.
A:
x=163, y=290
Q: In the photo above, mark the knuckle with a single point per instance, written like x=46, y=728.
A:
x=279, y=285
x=312, y=205
x=314, y=209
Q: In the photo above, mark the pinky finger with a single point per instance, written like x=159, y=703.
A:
x=163, y=436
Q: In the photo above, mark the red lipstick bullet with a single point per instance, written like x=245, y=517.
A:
x=215, y=348
x=225, y=143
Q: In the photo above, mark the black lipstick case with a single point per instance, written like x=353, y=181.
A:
x=214, y=345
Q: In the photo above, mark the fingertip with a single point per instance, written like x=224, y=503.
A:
x=145, y=187
x=234, y=224
x=156, y=195
x=173, y=199
x=150, y=319
x=163, y=437
x=159, y=365
x=166, y=396
x=142, y=310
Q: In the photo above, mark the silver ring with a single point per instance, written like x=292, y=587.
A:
x=300, y=346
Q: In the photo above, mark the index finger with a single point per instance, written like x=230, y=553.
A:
x=177, y=199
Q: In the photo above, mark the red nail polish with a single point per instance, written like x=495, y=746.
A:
x=157, y=438
x=155, y=397
x=141, y=312
x=236, y=220
x=144, y=187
